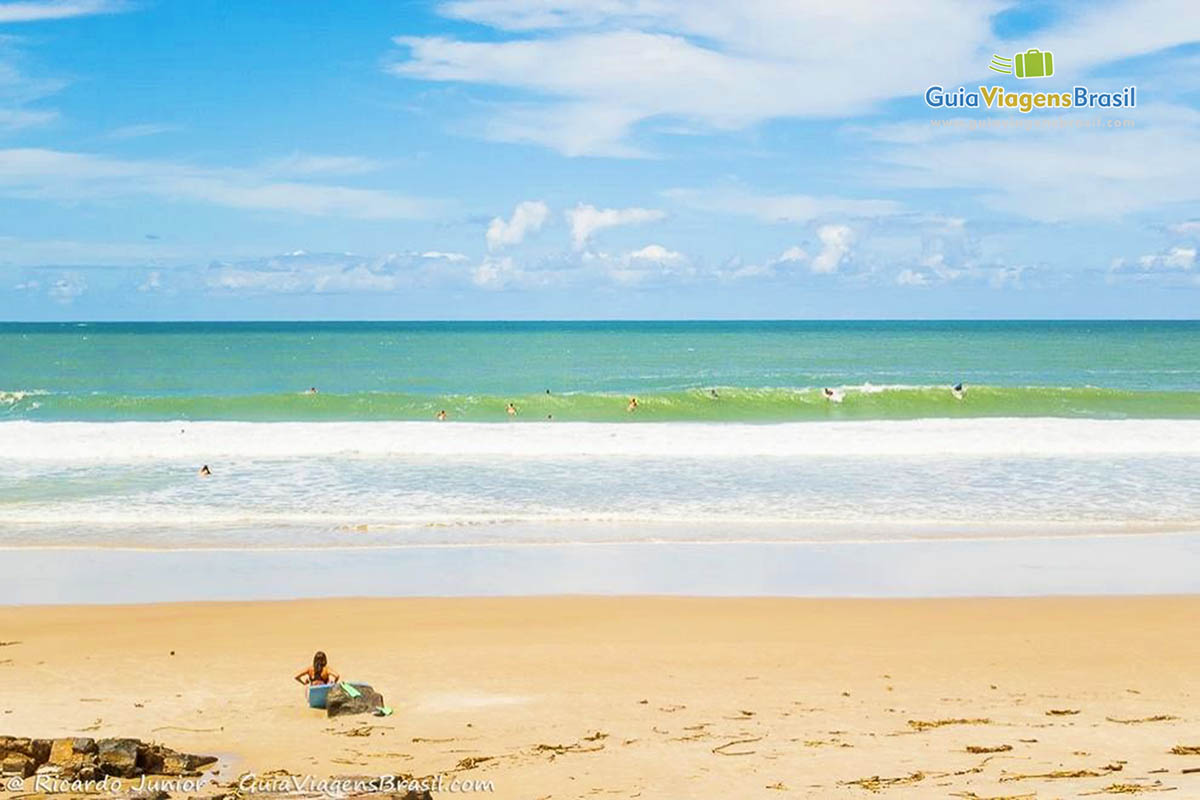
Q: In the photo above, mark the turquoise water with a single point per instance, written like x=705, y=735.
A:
x=1065, y=428
x=718, y=371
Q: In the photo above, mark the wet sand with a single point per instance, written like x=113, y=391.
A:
x=581, y=697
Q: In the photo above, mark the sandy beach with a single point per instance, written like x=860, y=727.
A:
x=574, y=697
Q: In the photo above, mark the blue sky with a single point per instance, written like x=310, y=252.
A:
x=191, y=159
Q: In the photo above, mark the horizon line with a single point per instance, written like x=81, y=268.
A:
x=392, y=320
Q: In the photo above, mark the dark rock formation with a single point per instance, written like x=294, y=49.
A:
x=88, y=759
x=18, y=764
x=154, y=759
x=339, y=702
x=118, y=757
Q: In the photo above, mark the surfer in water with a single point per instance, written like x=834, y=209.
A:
x=512, y=410
x=441, y=415
x=205, y=471
x=311, y=390
x=958, y=391
x=318, y=673
x=633, y=404
x=832, y=395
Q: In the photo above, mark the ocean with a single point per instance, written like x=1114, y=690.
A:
x=1064, y=429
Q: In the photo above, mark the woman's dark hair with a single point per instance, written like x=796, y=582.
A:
x=319, y=662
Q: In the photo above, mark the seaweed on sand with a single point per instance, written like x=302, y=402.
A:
x=925, y=725
x=877, y=784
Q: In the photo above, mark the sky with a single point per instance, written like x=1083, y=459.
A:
x=584, y=159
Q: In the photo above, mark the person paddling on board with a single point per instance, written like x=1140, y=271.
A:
x=319, y=673
x=832, y=395
x=958, y=391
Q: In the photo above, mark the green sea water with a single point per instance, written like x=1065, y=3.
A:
x=587, y=371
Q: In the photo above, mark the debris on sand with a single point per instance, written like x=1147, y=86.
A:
x=981, y=749
x=1130, y=788
x=973, y=796
x=1140, y=720
x=362, y=730
x=722, y=751
x=877, y=784
x=925, y=725
x=1185, y=750
x=1067, y=774
x=1062, y=712
x=561, y=749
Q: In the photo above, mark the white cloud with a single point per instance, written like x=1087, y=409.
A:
x=503, y=272
x=528, y=217
x=910, y=277
x=40, y=10
x=599, y=68
x=835, y=246
x=781, y=207
x=792, y=255
x=16, y=118
x=1178, y=258
x=58, y=175
x=720, y=65
x=1189, y=228
x=1060, y=174
x=586, y=220
x=307, y=164
x=140, y=130
x=650, y=264
x=737, y=270
x=67, y=288
x=494, y=273
x=657, y=254
x=18, y=89
x=437, y=254
x=152, y=283
x=329, y=273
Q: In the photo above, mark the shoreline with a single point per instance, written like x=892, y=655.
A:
x=1136, y=564
x=998, y=532
x=573, y=696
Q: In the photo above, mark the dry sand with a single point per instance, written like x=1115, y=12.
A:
x=643, y=697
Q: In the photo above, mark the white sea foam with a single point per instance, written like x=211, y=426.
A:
x=201, y=441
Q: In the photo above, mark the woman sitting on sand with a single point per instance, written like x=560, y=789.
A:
x=318, y=673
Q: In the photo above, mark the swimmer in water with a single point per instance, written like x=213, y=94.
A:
x=958, y=391
x=832, y=395
x=311, y=390
x=205, y=471
x=512, y=410
x=713, y=394
x=633, y=404
x=441, y=415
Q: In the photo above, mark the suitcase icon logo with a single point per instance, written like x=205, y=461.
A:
x=1033, y=63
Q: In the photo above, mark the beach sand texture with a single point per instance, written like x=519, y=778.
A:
x=577, y=697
